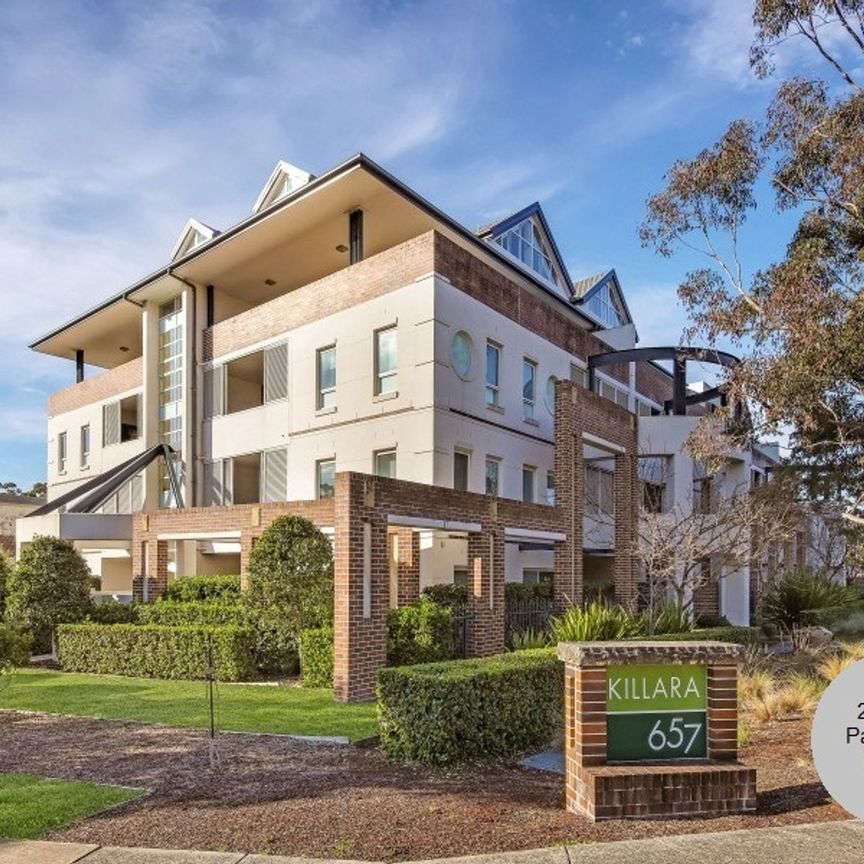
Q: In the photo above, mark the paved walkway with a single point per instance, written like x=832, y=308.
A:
x=837, y=842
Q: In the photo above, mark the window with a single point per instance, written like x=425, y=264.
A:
x=532, y=576
x=703, y=495
x=325, y=478
x=527, y=484
x=579, y=376
x=120, y=420
x=529, y=387
x=460, y=575
x=524, y=242
x=62, y=453
x=386, y=349
x=327, y=377
x=385, y=463
x=644, y=409
x=493, y=372
x=599, y=490
x=652, y=477
x=460, y=470
x=550, y=487
x=612, y=393
x=462, y=355
x=551, y=381
x=604, y=306
x=85, y=446
x=493, y=467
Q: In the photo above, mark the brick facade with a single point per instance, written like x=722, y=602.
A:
x=713, y=786
x=111, y=382
x=653, y=382
x=406, y=546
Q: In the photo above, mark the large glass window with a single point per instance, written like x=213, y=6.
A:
x=460, y=470
x=170, y=387
x=325, y=478
x=385, y=463
x=386, y=375
x=493, y=372
x=604, y=306
x=493, y=470
x=523, y=241
x=326, y=363
x=529, y=388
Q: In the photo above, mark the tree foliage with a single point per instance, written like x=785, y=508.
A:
x=49, y=586
x=797, y=322
x=6, y=565
x=291, y=570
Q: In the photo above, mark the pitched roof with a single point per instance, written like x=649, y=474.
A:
x=582, y=286
x=284, y=171
x=186, y=241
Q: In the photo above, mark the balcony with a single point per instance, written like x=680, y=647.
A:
x=111, y=382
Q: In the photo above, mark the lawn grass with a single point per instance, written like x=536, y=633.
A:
x=239, y=708
x=30, y=806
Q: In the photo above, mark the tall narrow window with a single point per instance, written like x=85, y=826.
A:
x=493, y=372
x=327, y=377
x=385, y=463
x=62, y=452
x=550, y=487
x=529, y=388
x=386, y=351
x=528, y=484
x=170, y=392
x=325, y=478
x=493, y=468
x=460, y=470
x=85, y=446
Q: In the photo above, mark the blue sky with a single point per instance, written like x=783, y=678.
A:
x=122, y=120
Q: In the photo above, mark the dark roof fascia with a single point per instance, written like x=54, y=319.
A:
x=359, y=160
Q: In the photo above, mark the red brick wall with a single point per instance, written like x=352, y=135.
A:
x=109, y=383
x=389, y=270
x=653, y=382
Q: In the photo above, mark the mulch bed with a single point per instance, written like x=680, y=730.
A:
x=276, y=796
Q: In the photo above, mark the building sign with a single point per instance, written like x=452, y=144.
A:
x=656, y=712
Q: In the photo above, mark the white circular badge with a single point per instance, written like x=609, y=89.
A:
x=838, y=739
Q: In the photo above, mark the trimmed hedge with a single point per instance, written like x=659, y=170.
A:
x=15, y=645
x=738, y=635
x=153, y=651
x=173, y=613
x=111, y=611
x=419, y=633
x=515, y=591
x=466, y=709
x=447, y=594
x=214, y=589
x=316, y=657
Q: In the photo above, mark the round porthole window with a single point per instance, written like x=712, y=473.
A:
x=551, y=381
x=462, y=355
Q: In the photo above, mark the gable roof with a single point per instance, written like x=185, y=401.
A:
x=273, y=189
x=590, y=285
x=582, y=286
x=188, y=238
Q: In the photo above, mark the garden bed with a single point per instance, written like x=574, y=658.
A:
x=280, y=796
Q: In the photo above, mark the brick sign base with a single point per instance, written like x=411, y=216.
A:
x=713, y=784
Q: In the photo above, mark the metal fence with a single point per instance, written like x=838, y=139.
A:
x=530, y=614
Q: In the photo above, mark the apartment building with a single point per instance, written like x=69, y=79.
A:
x=349, y=326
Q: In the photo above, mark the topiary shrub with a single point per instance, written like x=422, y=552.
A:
x=468, y=709
x=15, y=647
x=447, y=594
x=211, y=589
x=291, y=569
x=803, y=598
x=316, y=657
x=6, y=565
x=49, y=586
x=419, y=633
x=152, y=651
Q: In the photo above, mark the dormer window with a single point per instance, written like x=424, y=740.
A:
x=606, y=307
x=284, y=180
x=524, y=241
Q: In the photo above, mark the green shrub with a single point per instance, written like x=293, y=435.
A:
x=804, y=599
x=49, y=586
x=447, y=594
x=522, y=640
x=213, y=589
x=6, y=565
x=111, y=611
x=275, y=642
x=153, y=651
x=419, y=633
x=669, y=617
x=291, y=569
x=466, y=709
x=15, y=647
x=316, y=657
x=598, y=621
x=520, y=591
x=738, y=635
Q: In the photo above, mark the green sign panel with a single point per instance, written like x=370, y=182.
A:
x=656, y=713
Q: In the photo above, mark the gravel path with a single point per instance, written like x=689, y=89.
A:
x=283, y=797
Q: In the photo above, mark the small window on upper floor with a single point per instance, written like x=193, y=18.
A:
x=62, y=453
x=493, y=374
x=386, y=361
x=529, y=388
x=493, y=475
x=325, y=478
x=528, y=472
x=84, y=461
x=326, y=375
x=461, y=461
x=385, y=464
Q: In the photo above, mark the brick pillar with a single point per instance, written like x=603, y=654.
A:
x=361, y=590
x=723, y=712
x=569, y=494
x=486, y=592
x=626, y=514
x=407, y=566
x=584, y=733
x=150, y=564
